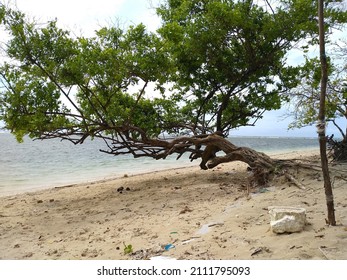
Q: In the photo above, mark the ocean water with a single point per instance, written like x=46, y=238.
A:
x=39, y=164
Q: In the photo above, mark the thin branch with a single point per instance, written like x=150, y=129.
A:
x=272, y=10
x=338, y=127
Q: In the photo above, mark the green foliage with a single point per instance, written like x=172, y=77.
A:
x=128, y=249
x=92, y=75
x=231, y=55
x=306, y=97
x=212, y=66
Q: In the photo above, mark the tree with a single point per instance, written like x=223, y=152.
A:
x=216, y=65
x=305, y=99
x=306, y=95
x=321, y=117
x=230, y=57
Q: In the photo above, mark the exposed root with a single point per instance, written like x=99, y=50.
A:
x=337, y=149
x=294, y=181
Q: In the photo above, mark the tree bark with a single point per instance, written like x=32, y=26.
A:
x=321, y=118
x=261, y=164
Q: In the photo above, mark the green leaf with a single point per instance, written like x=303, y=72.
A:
x=128, y=249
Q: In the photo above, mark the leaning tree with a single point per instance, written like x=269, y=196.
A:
x=212, y=66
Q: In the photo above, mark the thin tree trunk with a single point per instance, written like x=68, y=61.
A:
x=321, y=118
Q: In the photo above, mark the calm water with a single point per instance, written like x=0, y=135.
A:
x=41, y=164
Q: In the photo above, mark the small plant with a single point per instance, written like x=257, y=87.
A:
x=128, y=249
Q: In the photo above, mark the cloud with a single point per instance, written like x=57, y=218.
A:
x=78, y=15
x=135, y=12
x=85, y=16
x=275, y=124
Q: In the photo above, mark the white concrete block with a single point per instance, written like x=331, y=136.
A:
x=287, y=219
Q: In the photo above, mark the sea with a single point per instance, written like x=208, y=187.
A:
x=40, y=164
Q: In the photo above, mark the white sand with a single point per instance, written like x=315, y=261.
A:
x=203, y=214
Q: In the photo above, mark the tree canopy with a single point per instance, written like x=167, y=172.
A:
x=212, y=66
x=230, y=56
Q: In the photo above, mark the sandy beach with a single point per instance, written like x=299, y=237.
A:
x=184, y=213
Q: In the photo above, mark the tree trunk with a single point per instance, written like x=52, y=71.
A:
x=321, y=118
x=261, y=164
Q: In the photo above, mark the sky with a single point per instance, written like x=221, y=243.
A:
x=86, y=16
x=83, y=17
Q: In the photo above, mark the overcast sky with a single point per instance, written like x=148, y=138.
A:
x=86, y=16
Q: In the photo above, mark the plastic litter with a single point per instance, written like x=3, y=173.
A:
x=188, y=241
x=161, y=258
x=206, y=228
x=169, y=246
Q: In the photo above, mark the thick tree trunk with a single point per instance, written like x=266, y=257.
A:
x=261, y=164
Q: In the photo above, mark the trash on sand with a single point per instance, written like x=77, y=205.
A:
x=161, y=258
x=187, y=241
x=287, y=219
x=206, y=227
x=203, y=230
x=169, y=246
x=190, y=240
